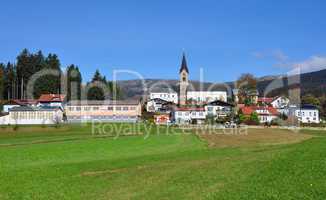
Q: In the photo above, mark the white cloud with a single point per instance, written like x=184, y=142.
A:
x=314, y=63
x=280, y=56
x=277, y=55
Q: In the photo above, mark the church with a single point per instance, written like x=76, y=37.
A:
x=188, y=96
x=187, y=105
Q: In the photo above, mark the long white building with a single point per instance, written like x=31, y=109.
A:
x=206, y=96
x=32, y=115
x=166, y=96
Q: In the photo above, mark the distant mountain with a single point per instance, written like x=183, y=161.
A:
x=309, y=83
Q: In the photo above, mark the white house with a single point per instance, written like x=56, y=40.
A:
x=280, y=102
x=52, y=100
x=218, y=108
x=189, y=115
x=32, y=115
x=7, y=107
x=18, y=102
x=307, y=114
x=206, y=96
x=265, y=113
x=158, y=105
x=166, y=96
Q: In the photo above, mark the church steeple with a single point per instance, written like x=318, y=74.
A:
x=183, y=81
x=184, y=64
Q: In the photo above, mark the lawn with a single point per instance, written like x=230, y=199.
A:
x=70, y=163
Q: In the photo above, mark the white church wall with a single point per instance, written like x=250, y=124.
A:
x=207, y=96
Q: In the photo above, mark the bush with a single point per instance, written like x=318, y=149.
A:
x=254, y=117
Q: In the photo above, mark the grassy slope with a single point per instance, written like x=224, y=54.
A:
x=160, y=167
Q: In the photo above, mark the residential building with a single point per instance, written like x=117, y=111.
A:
x=166, y=96
x=106, y=111
x=218, y=108
x=158, y=105
x=52, y=100
x=265, y=113
x=18, y=102
x=306, y=114
x=162, y=118
x=280, y=102
x=32, y=115
x=187, y=115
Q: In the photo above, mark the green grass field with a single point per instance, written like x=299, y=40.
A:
x=70, y=163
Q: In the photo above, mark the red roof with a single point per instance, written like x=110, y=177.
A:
x=273, y=110
x=265, y=99
x=247, y=110
x=52, y=98
x=23, y=102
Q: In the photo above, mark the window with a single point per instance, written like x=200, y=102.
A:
x=184, y=78
x=118, y=108
x=132, y=108
x=180, y=113
x=87, y=108
x=125, y=108
x=201, y=114
x=96, y=108
x=110, y=108
x=71, y=109
x=78, y=108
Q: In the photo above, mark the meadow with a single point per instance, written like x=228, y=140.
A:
x=69, y=162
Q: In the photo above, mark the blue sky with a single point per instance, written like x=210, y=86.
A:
x=225, y=38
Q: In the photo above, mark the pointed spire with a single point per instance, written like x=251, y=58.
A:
x=184, y=64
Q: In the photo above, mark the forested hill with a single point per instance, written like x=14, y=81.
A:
x=310, y=83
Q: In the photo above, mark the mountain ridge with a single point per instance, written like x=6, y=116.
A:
x=310, y=83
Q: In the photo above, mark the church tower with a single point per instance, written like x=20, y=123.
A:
x=183, y=82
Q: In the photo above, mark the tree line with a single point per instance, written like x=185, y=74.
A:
x=47, y=78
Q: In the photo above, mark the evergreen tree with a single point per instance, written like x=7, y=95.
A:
x=49, y=83
x=2, y=77
x=98, y=93
x=95, y=92
x=74, y=83
x=10, y=82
